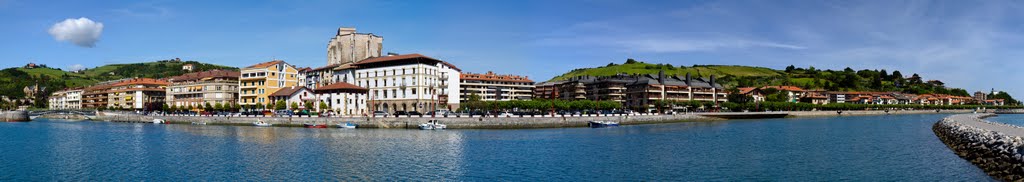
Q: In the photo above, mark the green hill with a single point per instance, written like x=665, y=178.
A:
x=16, y=79
x=647, y=68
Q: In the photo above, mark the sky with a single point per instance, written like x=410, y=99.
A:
x=968, y=44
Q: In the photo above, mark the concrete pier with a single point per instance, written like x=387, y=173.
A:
x=996, y=148
x=15, y=116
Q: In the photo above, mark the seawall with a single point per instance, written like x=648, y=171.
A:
x=514, y=122
x=874, y=112
x=996, y=148
x=15, y=116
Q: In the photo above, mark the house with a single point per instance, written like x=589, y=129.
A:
x=298, y=95
x=342, y=98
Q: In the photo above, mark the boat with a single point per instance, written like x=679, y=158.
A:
x=346, y=125
x=602, y=124
x=198, y=123
x=432, y=125
x=261, y=123
x=159, y=121
x=311, y=125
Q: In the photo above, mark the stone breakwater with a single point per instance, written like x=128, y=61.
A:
x=15, y=116
x=996, y=148
x=514, y=122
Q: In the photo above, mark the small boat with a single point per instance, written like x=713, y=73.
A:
x=310, y=125
x=346, y=125
x=432, y=125
x=261, y=123
x=198, y=123
x=602, y=124
x=159, y=121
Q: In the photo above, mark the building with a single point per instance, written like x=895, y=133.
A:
x=409, y=82
x=317, y=77
x=258, y=82
x=297, y=95
x=639, y=92
x=980, y=96
x=494, y=87
x=343, y=99
x=201, y=88
x=66, y=99
x=137, y=94
x=188, y=67
x=347, y=46
x=95, y=97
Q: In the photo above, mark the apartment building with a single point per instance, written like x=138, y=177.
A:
x=258, y=82
x=66, y=99
x=409, y=82
x=137, y=94
x=200, y=88
x=495, y=87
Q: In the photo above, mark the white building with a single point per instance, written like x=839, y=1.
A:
x=410, y=82
x=342, y=99
x=293, y=95
x=66, y=99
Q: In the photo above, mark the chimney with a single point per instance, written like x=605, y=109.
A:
x=661, y=76
x=712, y=80
x=688, y=79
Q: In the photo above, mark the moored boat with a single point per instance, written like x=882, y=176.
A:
x=602, y=124
x=311, y=125
x=346, y=125
x=432, y=125
x=159, y=121
x=262, y=124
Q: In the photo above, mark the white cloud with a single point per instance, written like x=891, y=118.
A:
x=76, y=67
x=82, y=31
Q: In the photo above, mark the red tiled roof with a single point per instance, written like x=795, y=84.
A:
x=342, y=86
x=206, y=74
x=490, y=76
x=141, y=81
x=266, y=64
x=288, y=91
x=384, y=59
x=786, y=88
x=325, y=67
x=745, y=90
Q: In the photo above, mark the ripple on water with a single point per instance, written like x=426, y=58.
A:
x=876, y=148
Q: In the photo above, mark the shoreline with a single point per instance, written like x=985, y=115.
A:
x=476, y=122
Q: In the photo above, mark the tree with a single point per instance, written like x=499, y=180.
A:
x=630, y=61
x=294, y=106
x=207, y=106
x=739, y=98
x=280, y=105
x=219, y=106
x=790, y=68
x=474, y=97
x=308, y=105
x=324, y=106
x=610, y=64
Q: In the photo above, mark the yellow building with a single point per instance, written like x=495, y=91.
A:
x=258, y=81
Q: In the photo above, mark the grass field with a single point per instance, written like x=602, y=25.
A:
x=645, y=68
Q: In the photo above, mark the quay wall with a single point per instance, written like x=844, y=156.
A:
x=873, y=112
x=996, y=148
x=476, y=122
x=15, y=116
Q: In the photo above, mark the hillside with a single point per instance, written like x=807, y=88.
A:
x=647, y=68
x=16, y=79
x=808, y=78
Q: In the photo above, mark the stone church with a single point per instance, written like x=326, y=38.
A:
x=349, y=47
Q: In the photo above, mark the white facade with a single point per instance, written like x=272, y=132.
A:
x=408, y=86
x=343, y=103
x=66, y=99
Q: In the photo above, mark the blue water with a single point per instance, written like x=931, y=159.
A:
x=871, y=148
x=1014, y=119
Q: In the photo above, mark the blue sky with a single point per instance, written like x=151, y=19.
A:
x=970, y=44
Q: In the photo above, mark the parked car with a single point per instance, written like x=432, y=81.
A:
x=414, y=113
x=380, y=114
x=505, y=114
x=401, y=113
x=439, y=113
